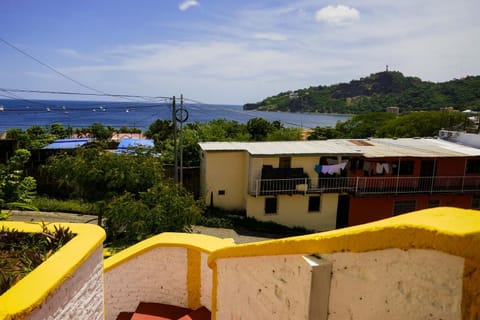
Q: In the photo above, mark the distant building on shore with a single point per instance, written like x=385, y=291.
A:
x=394, y=110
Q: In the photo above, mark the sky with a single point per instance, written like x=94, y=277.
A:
x=229, y=51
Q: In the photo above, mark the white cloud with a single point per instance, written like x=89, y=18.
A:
x=270, y=36
x=185, y=5
x=337, y=15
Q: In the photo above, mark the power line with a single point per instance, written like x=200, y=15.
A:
x=84, y=94
x=50, y=67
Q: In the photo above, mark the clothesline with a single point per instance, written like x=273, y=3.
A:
x=330, y=169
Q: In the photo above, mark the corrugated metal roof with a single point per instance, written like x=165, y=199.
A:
x=370, y=148
x=411, y=147
x=324, y=147
x=66, y=144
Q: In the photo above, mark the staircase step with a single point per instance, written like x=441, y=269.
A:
x=124, y=316
x=199, y=314
x=141, y=316
x=160, y=310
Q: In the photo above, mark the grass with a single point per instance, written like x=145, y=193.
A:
x=69, y=206
x=219, y=218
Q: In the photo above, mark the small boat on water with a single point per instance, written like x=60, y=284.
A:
x=48, y=109
x=2, y=108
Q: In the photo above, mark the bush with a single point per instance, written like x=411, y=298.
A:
x=220, y=218
x=163, y=208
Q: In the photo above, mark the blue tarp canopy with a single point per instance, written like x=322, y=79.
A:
x=66, y=144
x=130, y=144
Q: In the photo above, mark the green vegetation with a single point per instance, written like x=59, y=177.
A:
x=256, y=129
x=387, y=125
x=21, y=252
x=376, y=92
x=131, y=193
x=17, y=190
x=219, y=218
x=69, y=205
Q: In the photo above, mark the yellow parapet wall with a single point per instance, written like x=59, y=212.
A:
x=31, y=291
x=198, y=242
x=194, y=246
x=449, y=230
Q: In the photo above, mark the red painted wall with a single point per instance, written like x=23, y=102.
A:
x=450, y=167
x=368, y=209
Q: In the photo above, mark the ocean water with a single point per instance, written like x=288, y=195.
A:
x=24, y=114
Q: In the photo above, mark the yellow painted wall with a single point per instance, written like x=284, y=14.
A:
x=308, y=165
x=226, y=171
x=292, y=210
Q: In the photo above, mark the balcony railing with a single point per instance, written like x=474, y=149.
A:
x=367, y=185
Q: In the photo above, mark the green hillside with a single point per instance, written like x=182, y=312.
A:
x=375, y=93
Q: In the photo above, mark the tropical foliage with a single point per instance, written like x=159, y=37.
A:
x=21, y=252
x=387, y=125
x=17, y=190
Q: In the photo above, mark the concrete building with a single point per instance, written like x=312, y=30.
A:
x=323, y=185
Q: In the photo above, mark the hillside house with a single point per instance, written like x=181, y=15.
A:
x=324, y=185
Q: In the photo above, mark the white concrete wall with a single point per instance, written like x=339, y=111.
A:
x=158, y=275
x=276, y=287
x=206, y=282
x=79, y=297
x=395, y=284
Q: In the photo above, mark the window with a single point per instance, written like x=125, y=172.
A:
x=473, y=166
x=270, y=205
x=433, y=203
x=221, y=192
x=404, y=206
x=285, y=162
x=314, y=204
x=406, y=168
x=476, y=202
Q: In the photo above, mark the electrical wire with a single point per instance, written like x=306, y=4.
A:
x=50, y=67
x=73, y=93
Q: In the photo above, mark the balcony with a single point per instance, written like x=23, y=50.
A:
x=366, y=185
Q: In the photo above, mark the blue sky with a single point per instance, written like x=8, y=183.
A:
x=230, y=51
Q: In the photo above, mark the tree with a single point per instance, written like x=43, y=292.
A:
x=258, y=128
x=363, y=125
x=323, y=133
x=165, y=207
x=100, y=132
x=423, y=124
x=285, y=134
x=94, y=175
x=16, y=188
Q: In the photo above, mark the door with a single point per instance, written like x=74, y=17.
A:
x=343, y=207
x=427, y=172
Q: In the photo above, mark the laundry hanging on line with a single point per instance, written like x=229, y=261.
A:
x=330, y=169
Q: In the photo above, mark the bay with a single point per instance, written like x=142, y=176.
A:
x=23, y=114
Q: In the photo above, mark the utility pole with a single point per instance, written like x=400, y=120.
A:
x=181, y=139
x=175, y=160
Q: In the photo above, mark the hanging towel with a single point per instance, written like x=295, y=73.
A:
x=386, y=167
x=318, y=168
x=379, y=168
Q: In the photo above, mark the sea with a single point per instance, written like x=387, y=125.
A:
x=26, y=113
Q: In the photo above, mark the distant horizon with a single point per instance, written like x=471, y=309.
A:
x=125, y=100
